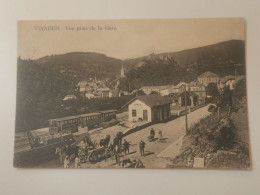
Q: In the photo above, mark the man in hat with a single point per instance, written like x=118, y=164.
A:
x=126, y=147
x=141, y=147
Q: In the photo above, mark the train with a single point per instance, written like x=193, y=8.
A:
x=71, y=123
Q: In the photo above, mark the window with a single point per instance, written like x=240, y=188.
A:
x=133, y=113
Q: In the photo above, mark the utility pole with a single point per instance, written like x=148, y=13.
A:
x=186, y=112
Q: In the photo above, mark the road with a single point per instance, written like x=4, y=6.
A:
x=172, y=131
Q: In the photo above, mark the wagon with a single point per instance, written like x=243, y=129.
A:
x=97, y=154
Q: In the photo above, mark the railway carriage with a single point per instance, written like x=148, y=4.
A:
x=107, y=115
x=90, y=120
x=65, y=124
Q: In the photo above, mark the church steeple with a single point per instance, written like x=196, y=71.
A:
x=122, y=71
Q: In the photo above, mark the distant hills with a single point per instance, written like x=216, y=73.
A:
x=82, y=65
x=219, y=58
x=225, y=58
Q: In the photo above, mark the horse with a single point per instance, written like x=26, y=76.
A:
x=72, y=151
x=104, y=142
x=89, y=142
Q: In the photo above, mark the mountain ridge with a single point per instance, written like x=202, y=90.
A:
x=183, y=56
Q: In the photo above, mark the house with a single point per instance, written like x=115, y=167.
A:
x=228, y=81
x=208, y=77
x=89, y=95
x=148, y=89
x=82, y=86
x=164, y=90
x=175, y=99
x=180, y=87
x=199, y=89
x=191, y=98
x=113, y=93
x=109, y=93
x=69, y=97
x=105, y=93
x=124, y=93
x=150, y=108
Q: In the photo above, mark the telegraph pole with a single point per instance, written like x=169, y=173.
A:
x=186, y=113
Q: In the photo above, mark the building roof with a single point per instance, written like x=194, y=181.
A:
x=69, y=97
x=163, y=87
x=151, y=100
x=208, y=74
x=195, y=84
x=82, y=115
x=179, y=85
x=227, y=78
x=107, y=111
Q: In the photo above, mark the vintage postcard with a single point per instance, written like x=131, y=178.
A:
x=153, y=93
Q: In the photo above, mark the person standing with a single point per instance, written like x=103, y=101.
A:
x=60, y=152
x=66, y=162
x=117, y=155
x=126, y=147
x=141, y=147
x=160, y=134
x=77, y=162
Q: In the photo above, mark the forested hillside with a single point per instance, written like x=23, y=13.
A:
x=220, y=58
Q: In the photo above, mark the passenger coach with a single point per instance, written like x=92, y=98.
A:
x=90, y=120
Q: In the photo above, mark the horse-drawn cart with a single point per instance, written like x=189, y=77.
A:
x=97, y=154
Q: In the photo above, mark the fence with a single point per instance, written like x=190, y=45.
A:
x=137, y=128
x=183, y=112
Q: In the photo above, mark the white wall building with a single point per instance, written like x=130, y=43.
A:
x=150, y=108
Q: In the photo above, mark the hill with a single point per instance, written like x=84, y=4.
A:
x=82, y=64
x=219, y=58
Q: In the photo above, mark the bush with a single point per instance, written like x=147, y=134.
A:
x=226, y=138
x=212, y=108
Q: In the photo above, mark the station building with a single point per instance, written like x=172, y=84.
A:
x=150, y=108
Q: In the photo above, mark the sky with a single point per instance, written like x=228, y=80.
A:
x=123, y=39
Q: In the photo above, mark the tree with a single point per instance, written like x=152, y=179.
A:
x=240, y=89
x=227, y=96
x=140, y=92
x=154, y=92
x=212, y=90
x=226, y=138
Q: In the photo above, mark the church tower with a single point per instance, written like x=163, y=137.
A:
x=122, y=71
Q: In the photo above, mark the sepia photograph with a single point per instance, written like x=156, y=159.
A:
x=132, y=93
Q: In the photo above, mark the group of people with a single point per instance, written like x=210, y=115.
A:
x=67, y=161
x=112, y=149
x=118, y=149
x=152, y=134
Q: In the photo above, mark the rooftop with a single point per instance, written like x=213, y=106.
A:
x=195, y=84
x=226, y=78
x=151, y=100
x=208, y=74
x=83, y=115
